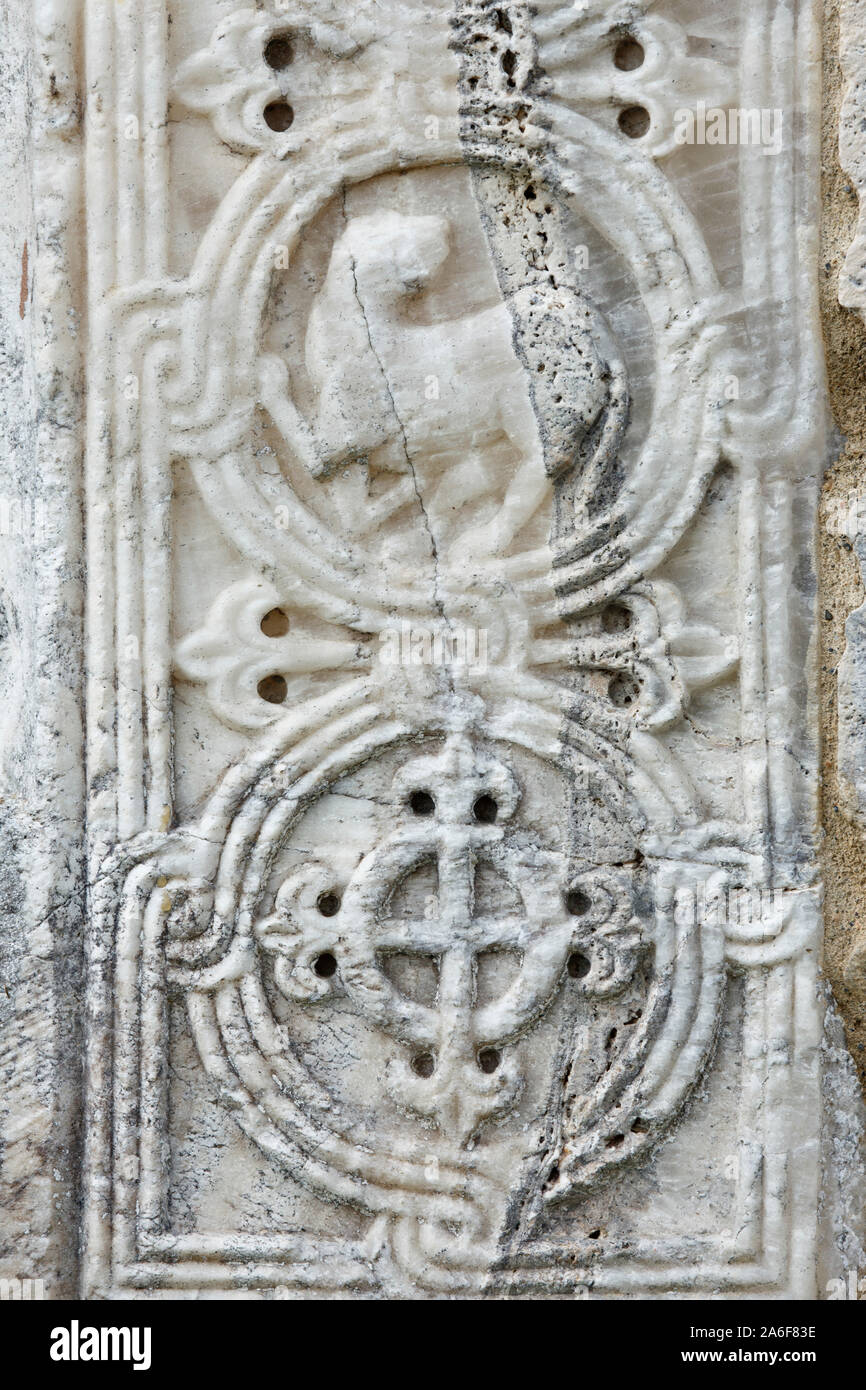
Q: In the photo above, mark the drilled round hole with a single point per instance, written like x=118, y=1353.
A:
x=488, y=1060
x=279, y=116
x=273, y=689
x=275, y=623
x=579, y=965
x=595, y=1235
x=325, y=965
x=279, y=52
x=578, y=902
x=628, y=54
x=328, y=904
x=634, y=121
x=616, y=618
x=424, y=1064
x=422, y=804
x=623, y=691
x=485, y=810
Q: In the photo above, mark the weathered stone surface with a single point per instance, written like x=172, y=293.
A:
x=852, y=146
x=852, y=294
x=455, y=422
x=842, y=524
x=41, y=654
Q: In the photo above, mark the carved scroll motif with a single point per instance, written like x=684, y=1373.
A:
x=457, y=514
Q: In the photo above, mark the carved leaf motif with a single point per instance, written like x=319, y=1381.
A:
x=679, y=657
x=231, y=82
x=231, y=654
x=349, y=55
x=578, y=56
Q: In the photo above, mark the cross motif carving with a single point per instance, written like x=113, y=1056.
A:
x=455, y=810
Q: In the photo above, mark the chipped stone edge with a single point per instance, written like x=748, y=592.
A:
x=42, y=879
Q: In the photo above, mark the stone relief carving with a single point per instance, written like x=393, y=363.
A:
x=448, y=940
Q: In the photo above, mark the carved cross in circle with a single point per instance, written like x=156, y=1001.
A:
x=455, y=812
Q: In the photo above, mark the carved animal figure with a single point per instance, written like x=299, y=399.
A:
x=460, y=402
x=374, y=368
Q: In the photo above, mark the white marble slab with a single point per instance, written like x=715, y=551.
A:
x=455, y=419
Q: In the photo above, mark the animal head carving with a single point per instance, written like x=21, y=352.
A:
x=392, y=254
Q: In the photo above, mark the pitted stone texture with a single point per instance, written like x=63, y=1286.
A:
x=852, y=147
x=842, y=515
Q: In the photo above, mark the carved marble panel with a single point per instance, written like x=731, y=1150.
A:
x=455, y=424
